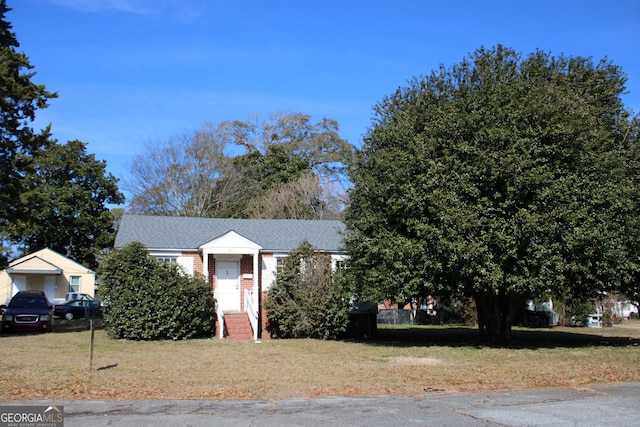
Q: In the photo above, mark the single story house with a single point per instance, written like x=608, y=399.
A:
x=238, y=257
x=48, y=271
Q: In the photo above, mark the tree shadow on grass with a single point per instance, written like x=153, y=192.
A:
x=459, y=336
x=61, y=326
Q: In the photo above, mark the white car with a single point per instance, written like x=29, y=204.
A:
x=72, y=296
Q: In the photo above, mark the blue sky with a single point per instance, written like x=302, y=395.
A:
x=133, y=71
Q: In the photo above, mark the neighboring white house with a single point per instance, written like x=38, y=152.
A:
x=48, y=271
x=238, y=257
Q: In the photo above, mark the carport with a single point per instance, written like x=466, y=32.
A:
x=34, y=274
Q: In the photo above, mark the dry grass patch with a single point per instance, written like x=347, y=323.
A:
x=407, y=361
x=414, y=361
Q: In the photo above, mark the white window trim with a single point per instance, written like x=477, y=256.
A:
x=71, y=284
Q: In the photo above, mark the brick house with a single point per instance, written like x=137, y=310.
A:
x=238, y=257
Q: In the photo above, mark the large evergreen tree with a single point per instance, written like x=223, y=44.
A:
x=498, y=178
x=51, y=195
x=20, y=98
x=64, y=204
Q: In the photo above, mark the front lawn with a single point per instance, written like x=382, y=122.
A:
x=400, y=361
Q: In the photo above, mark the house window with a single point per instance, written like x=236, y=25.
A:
x=279, y=264
x=74, y=284
x=167, y=259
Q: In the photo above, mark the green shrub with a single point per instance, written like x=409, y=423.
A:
x=580, y=310
x=458, y=310
x=149, y=300
x=305, y=301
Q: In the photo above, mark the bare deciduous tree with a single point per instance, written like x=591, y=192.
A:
x=177, y=177
x=282, y=167
x=303, y=198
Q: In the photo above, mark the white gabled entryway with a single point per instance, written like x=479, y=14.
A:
x=230, y=246
x=227, y=251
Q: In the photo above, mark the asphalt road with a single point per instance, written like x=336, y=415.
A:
x=610, y=405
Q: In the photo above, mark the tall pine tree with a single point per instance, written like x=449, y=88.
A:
x=20, y=98
x=64, y=204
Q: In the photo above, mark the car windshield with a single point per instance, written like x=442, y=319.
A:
x=28, y=302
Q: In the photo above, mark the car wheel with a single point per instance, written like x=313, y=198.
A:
x=68, y=315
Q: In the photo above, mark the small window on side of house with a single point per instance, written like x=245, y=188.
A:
x=74, y=284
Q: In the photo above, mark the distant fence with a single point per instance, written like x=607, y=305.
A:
x=405, y=317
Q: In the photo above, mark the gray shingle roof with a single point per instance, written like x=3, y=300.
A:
x=181, y=233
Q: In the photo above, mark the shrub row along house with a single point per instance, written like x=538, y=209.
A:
x=238, y=257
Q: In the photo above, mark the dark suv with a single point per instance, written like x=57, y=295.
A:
x=27, y=311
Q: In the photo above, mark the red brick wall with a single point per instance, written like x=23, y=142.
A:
x=212, y=272
x=246, y=267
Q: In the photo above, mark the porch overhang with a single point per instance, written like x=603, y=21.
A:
x=231, y=245
x=34, y=265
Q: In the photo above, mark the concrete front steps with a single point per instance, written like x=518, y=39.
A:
x=237, y=326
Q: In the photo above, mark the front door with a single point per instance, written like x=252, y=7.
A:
x=228, y=285
x=50, y=287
